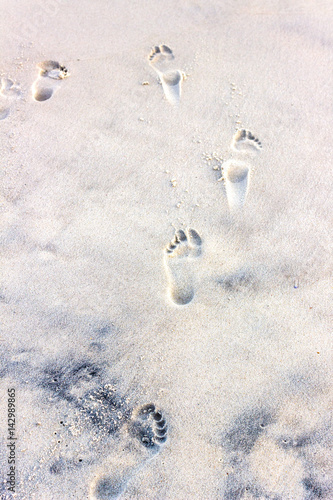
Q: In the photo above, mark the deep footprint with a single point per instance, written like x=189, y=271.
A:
x=9, y=93
x=244, y=141
x=50, y=75
x=160, y=59
x=149, y=429
x=178, y=263
x=236, y=176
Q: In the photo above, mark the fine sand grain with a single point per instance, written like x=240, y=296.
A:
x=168, y=336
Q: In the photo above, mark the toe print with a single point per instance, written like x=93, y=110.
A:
x=160, y=56
x=179, y=255
x=147, y=432
x=180, y=237
x=161, y=429
x=244, y=141
x=149, y=426
x=160, y=59
x=50, y=75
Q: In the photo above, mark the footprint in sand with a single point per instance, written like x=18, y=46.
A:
x=178, y=262
x=161, y=59
x=9, y=93
x=236, y=173
x=236, y=176
x=149, y=428
x=50, y=75
x=245, y=142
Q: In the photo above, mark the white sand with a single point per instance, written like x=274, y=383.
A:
x=94, y=183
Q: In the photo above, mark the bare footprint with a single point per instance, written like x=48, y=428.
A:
x=178, y=263
x=9, y=93
x=50, y=75
x=245, y=142
x=236, y=176
x=146, y=434
x=149, y=426
x=160, y=59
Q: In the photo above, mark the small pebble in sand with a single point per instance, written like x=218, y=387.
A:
x=173, y=182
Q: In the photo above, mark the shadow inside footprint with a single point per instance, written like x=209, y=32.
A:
x=9, y=92
x=4, y=112
x=43, y=94
x=236, y=175
x=171, y=83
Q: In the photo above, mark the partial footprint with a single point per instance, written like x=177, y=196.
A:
x=244, y=141
x=160, y=59
x=106, y=486
x=148, y=427
x=178, y=263
x=160, y=56
x=50, y=75
x=9, y=93
x=236, y=176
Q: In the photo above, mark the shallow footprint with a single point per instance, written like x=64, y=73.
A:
x=148, y=427
x=9, y=92
x=178, y=256
x=105, y=486
x=160, y=59
x=50, y=75
x=160, y=56
x=236, y=176
x=245, y=142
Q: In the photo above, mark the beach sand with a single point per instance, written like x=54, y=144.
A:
x=166, y=249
